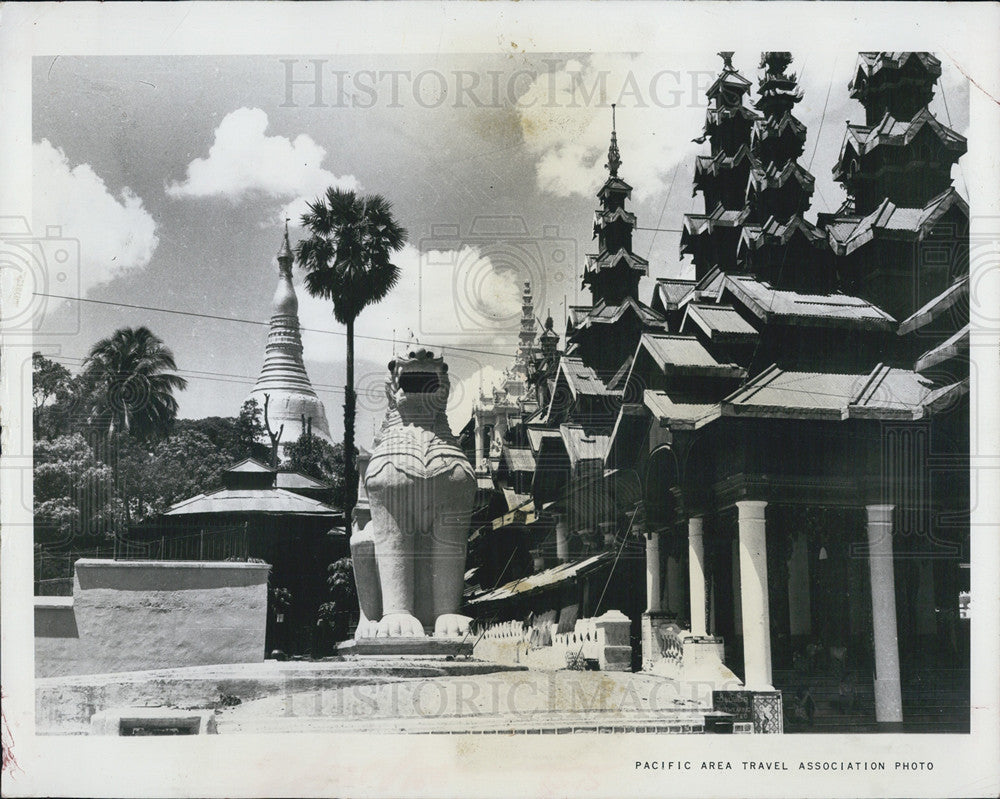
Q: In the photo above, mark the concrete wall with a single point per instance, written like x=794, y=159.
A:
x=134, y=615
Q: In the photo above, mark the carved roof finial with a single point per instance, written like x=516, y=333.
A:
x=727, y=59
x=614, y=157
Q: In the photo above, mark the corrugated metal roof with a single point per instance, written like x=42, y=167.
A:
x=582, y=379
x=685, y=354
x=893, y=219
x=884, y=392
x=685, y=415
x=268, y=500
x=582, y=445
x=535, y=437
x=717, y=320
x=543, y=579
x=835, y=310
x=671, y=291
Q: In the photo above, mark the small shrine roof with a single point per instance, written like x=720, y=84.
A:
x=582, y=379
x=791, y=307
x=900, y=132
x=670, y=291
x=776, y=126
x=681, y=415
x=519, y=459
x=872, y=62
x=713, y=165
x=772, y=177
x=535, y=436
x=896, y=221
x=883, y=393
x=947, y=299
x=249, y=466
x=675, y=354
x=717, y=321
x=758, y=235
x=275, y=501
x=955, y=346
x=602, y=313
x=582, y=444
x=606, y=260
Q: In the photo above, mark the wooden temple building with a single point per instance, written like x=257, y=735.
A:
x=773, y=455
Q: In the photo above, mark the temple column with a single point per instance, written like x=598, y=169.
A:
x=675, y=587
x=799, y=611
x=562, y=538
x=696, y=575
x=654, y=583
x=753, y=595
x=888, y=699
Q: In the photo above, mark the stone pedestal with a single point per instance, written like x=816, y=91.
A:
x=760, y=708
x=652, y=623
x=390, y=647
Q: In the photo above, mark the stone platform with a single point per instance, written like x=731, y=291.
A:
x=389, y=647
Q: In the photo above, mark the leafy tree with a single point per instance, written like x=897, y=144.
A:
x=320, y=460
x=250, y=431
x=58, y=409
x=73, y=491
x=347, y=259
x=336, y=613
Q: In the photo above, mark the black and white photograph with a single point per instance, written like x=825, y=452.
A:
x=378, y=404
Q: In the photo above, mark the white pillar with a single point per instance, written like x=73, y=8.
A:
x=675, y=589
x=653, y=582
x=480, y=445
x=753, y=595
x=888, y=699
x=562, y=538
x=696, y=575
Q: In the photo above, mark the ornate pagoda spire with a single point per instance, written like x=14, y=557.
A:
x=614, y=157
x=283, y=377
x=902, y=152
x=613, y=273
x=777, y=244
x=526, y=334
x=710, y=238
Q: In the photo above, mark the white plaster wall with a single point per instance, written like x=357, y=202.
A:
x=129, y=616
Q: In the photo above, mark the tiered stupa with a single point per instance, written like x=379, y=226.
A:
x=711, y=238
x=292, y=399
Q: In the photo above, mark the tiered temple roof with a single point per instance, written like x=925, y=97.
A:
x=710, y=238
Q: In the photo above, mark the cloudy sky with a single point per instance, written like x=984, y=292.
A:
x=175, y=176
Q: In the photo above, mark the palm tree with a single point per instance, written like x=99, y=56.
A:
x=347, y=261
x=131, y=377
x=129, y=381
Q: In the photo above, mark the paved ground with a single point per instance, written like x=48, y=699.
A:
x=512, y=701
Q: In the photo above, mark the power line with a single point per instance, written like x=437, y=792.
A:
x=660, y=230
x=256, y=322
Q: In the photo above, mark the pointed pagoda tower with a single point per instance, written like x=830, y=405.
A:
x=902, y=234
x=711, y=238
x=613, y=273
x=603, y=335
x=292, y=401
x=777, y=244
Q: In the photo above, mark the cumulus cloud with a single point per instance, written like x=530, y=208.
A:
x=431, y=306
x=116, y=234
x=566, y=120
x=245, y=162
